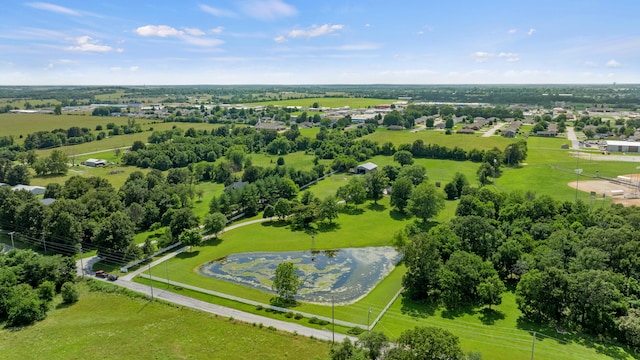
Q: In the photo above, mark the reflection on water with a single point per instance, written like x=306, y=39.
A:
x=345, y=274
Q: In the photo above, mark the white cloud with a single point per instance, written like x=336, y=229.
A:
x=267, y=9
x=217, y=11
x=192, y=36
x=367, y=25
x=315, y=31
x=134, y=68
x=158, y=30
x=115, y=68
x=204, y=42
x=613, y=64
x=531, y=31
x=216, y=30
x=53, y=8
x=280, y=39
x=88, y=44
x=482, y=56
x=194, y=31
x=512, y=31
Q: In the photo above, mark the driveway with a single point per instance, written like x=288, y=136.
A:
x=492, y=131
x=571, y=135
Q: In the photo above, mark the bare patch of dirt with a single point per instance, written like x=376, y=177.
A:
x=620, y=194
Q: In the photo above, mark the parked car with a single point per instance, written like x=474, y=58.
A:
x=101, y=273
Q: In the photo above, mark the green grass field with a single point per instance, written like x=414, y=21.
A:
x=466, y=142
x=24, y=124
x=374, y=227
x=354, y=103
x=113, y=326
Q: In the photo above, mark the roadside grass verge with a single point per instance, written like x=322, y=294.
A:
x=113, y=325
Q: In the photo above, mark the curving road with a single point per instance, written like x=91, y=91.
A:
x=86, y=266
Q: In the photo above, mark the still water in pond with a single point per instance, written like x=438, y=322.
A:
x=345, y=274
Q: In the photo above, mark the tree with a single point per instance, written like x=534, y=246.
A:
x=57, y=110
x=422, y=259
x=490, y=291
x=69, y=293
x=286, y=282
x=353, y=192
x=629, y=326
x=403, y=157
x=18, y=174
x=455, y=187
x=347, y=351
x=485, y=171
x=214, y=223
x=426, y=342
x=401, y=192
x=57, y=163
x=114, y=235
x=190, y=237
x=460, y=276
x=182, y=219
x=282, y=208
x=328, y=208
x=425, y=202
x=416, y=173
x=374, y=342
x=375, y=181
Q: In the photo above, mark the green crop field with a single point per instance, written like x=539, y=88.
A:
x=332, y=102
x=114, y=326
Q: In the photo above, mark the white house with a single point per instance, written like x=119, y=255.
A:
x=95, y=162
x=35, y=190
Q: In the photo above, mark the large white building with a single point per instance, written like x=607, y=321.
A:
x=622, y=146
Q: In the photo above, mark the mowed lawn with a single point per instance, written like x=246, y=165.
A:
x=548, y=169
x=464, y=141
x=374, y=227
x=113, y=326
x=499, y=334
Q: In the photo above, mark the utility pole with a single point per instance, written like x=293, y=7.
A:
x=368, y=322
x=533, y=345
x=81, y=264
x=150, y=282
x=166, y=267
x=11, y=234
x=333, y=322
x=44, y=242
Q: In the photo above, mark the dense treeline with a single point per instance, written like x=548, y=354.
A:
x=575, y=267
x=90, y=213
x=29, y=283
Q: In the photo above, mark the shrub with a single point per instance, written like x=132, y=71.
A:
x=298, y=316
x=288, y=315
x=69, y=293
x=355, y=331
x=259, y=307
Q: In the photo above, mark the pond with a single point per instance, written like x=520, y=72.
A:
x=346, y=274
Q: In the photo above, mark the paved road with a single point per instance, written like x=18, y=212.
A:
x=86, y=264
x=492, y=131
x=419, y=128
x=571, y=135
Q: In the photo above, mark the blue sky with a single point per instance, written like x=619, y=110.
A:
x=318, y=42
